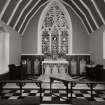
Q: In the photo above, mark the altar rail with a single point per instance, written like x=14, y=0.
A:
x=77, y=62
x=20, y=84
x=73, y=83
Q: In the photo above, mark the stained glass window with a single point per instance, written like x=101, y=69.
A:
x=55, y=30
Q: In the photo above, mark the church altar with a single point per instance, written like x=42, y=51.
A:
x=72, y=65
x=55, y=67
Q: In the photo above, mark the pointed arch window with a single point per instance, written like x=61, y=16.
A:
x=55, y=30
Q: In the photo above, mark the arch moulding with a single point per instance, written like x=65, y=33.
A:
x=42, y=17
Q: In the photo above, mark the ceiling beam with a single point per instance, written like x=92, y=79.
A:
x=22, y=13
x=28, y=14
x=33, y=16
x=98, y=11
x=83, y=14
x=14, y=11
x=5, y=7
x=93, y=18
x=76, y=14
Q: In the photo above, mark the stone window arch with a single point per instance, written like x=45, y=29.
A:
x=55, y=29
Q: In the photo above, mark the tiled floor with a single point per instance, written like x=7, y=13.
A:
x=47, y=98
x=80, y=91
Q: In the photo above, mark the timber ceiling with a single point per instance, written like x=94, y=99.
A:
x=18, y=13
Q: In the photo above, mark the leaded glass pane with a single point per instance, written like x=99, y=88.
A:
x=55, y=31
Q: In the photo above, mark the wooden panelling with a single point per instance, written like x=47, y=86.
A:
x=70, y=58
x=77, y=59
x=32, y=58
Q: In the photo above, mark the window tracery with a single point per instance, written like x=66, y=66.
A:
x=55, y=30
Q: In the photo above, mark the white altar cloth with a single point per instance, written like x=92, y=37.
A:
x=55, y=61
x=54, y=67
